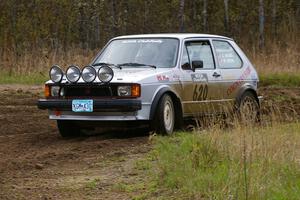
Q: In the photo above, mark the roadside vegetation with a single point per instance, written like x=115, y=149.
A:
x=30, y=79
x=33, y=67
x=280, y=79
x=239, y=163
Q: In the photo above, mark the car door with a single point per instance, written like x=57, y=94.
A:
x=201, y=86
x=232, y=68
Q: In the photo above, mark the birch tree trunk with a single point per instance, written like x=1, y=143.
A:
x=194, y=15
x=261, y=24
x=82, y=25
x=145, y=17
x=97, y=30
x=204, y=12
x=14, y=25
x=13, y=22
x=274, y=19
x=125, y=18
x=113, y=17
x=226, y=17
x=298, y=16
x=181, y=16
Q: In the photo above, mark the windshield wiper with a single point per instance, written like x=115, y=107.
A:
x=136, y=65
x=108, y=64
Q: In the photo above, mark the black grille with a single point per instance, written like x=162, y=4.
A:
x=90, y=91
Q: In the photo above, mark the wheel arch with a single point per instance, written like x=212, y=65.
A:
x=176, y=102
x=243, y=90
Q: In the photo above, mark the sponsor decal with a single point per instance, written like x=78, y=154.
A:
x=199, y=77
x=142, y=41
x=239, y=82
x=200, y=92
x=226, y=58
x=162, y=78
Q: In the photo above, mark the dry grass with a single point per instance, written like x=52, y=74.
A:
x=239, y=163
x=39, y=61
x=276, y=58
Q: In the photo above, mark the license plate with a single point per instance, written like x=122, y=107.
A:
x=82, y=105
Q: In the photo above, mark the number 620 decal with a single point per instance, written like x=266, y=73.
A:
x=200, y=92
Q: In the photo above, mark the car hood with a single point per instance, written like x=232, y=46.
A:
x=135, y=75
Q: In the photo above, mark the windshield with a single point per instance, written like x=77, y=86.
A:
x=160, y=52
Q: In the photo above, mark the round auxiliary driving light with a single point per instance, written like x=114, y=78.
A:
x=73, y=74
x=56, y=74
x=89, y=74
x=105, y=74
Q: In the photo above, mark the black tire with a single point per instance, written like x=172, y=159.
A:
x=68, y=129
x=248, y=108
x=164, y=121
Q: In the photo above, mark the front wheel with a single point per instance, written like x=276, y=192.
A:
x=68, y=129
x=165, y=116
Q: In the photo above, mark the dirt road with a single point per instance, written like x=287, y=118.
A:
x=36, y=163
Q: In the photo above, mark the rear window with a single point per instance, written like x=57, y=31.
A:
x=226, y=55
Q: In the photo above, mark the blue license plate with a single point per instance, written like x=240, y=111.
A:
x=82, y=105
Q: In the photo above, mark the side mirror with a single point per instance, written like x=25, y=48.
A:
x=197, y=64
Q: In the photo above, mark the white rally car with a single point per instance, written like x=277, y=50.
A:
x=155, y=79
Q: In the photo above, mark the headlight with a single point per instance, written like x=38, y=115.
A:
x=55, y=91
x=73, y=74
x=133, y=90
x=124, y=91
x=89, y=74
x=105, y=74
x=56, y=74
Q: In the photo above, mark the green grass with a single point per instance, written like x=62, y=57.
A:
x=244, y=163
x=30, y=79
x=93, y=184
x=283, y=79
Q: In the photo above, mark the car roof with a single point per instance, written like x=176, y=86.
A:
x=180, y=36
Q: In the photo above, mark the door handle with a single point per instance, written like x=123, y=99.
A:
x=216, y=74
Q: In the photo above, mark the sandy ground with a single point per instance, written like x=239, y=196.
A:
x=36, y=163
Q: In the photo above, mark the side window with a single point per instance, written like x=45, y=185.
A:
x=226, y=55
x=185, y=61
x=201, y=51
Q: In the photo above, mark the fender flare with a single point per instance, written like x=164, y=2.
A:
x=242, y=90
x=157, y=97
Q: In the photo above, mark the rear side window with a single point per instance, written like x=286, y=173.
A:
x=226, y=55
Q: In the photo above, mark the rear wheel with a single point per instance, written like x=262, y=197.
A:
x=165, y=116
x=68, y=129
x=248, y=108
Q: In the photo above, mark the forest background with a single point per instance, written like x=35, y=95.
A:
x=35, y=34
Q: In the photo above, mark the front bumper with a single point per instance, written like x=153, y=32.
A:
x=100, y=105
